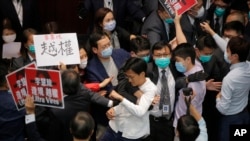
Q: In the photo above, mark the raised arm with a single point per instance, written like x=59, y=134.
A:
x=180, y=37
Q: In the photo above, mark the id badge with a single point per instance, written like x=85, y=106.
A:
x=165, y=109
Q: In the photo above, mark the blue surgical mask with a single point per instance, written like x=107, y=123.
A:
x=205, y=58
x=168, y=20
x=162, y=62
x=107, y=52
x=32, y=48
x=219, y=11
x=110, y=26
x=226, y=58
x=249, y=15
x=145, y=58
x=180, y=67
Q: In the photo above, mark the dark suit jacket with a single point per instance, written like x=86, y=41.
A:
x=20, y=62
x=155, y=29
x=121, y=9
x=30, y=15
x=191, y=31
x=210, y=17
x=53, y=123
x=124, y=38
x=153, y=74
x=95, y=71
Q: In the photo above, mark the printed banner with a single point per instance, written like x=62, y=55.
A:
x=51, y=49
x=45, y=86
x=180, y=5
x=17, y=85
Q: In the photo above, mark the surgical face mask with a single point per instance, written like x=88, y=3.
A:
x=200, y=12
x=83, y=63
x=226, y=58
x=219, y=11
x=110, y=26
x=249, y=15
x=205, y=58
x=9, y=38
x=107, y=52
x=162, y=62
x=168, y=20
x=180, y=67
x=145, y=58
x=32, y=48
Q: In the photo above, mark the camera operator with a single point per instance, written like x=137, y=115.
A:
x=192, y=126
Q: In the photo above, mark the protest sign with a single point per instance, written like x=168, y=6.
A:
x=45, y=87
x=11, y=50
x=51, y=49
x=17, y=85
x=180, y=5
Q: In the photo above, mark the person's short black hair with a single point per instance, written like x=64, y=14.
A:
x=185, y=50
x=139, y=44
x=137, y=65
x=160, y=45
x=188, y=128
x=70, y=82
x=240, y=46
x=205, y=41
x=95, y=37
x=82, y=125
x=235, y=25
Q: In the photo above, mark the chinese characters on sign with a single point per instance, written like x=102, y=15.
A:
x=45, y=86
x=17, y=84
x=54, y=48
x=180, y=5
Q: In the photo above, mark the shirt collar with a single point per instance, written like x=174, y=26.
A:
x=240, y=64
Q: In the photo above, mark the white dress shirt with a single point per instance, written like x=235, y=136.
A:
x=133, y=120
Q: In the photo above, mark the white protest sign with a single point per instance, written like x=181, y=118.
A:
x=11, y=50
x=51, y=49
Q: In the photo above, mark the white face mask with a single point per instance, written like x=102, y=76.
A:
x=200, y=12
x=83, y=63
x=9, y=38
x=110, y=26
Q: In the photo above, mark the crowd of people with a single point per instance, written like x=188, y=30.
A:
x=143, y=75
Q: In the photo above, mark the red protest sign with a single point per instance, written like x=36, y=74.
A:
x=45, y=87
x=180, y=5
x=17, y=85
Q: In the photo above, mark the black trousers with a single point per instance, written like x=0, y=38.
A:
x=161, y=129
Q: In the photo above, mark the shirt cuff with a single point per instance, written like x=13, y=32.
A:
x=110, y=104
x=30, y=118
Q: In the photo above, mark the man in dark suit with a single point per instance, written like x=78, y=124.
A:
x=105, y=63
x=121, y=10
x=190, y=21
x=22, y=14
x=161, y=126
x=217, y=13
x=53, y=123
x=158, y=26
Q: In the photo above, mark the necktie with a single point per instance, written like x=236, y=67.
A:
x=165, y=104
x=217, y=26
